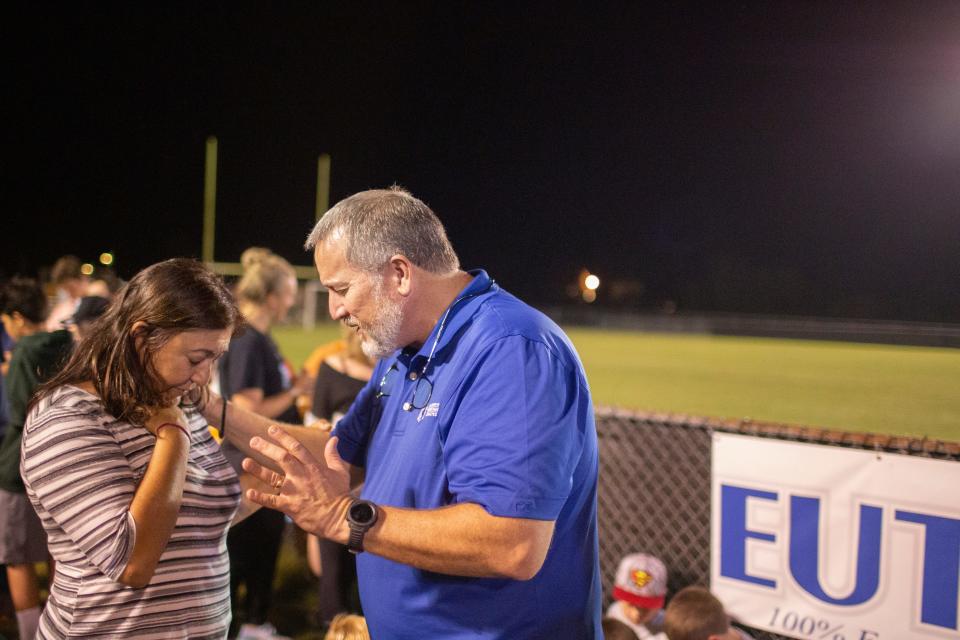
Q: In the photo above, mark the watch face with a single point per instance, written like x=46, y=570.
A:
x=361, y=512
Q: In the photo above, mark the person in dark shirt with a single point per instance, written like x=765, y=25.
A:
x=6, y=345
x=340, y=378
x=36, y=356
x=254, y=376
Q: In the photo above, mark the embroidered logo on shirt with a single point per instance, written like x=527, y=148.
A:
x=429, y=411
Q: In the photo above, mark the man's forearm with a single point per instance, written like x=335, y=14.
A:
x=461, y=540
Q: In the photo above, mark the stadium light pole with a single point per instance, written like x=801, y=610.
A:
x=323, y=184
x=209, y=200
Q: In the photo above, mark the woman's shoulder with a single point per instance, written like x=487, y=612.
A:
x=335, y=362
x=343, y=366
x=66, y=407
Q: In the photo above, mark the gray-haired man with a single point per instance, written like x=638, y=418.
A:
x=478, y=514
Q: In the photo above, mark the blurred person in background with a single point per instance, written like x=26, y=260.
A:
x=255, y=377
x=36, y=355
x=6, y=343
x=342, y=371
x=6, y=347
x=639, y=591
x=614, y=629
x=71, y=285
x=104, y=283
x=696, y=614
x=88, y=311
x=347, y=627
x=339, y=379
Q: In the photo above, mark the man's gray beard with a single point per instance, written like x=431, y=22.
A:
x=382, y=339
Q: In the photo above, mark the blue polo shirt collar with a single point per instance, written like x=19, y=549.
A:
x=479, y=288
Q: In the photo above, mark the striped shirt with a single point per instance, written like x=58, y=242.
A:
x=81, y=468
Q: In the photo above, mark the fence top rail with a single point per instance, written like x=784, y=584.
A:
x=815, y=435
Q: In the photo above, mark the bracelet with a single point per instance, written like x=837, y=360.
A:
x=175, y=426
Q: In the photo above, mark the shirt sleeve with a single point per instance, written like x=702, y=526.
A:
x=518, y=431
x=74, y=468
x=353, y=429
x=21, y=380
x=245, y=366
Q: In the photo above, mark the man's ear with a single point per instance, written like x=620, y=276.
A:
x=400, y=274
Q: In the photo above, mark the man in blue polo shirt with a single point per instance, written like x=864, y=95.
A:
x=478, y=515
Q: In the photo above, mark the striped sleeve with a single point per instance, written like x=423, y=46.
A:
x=76, y=468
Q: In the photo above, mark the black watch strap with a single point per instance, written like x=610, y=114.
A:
x=355, y=545
x=361, y=516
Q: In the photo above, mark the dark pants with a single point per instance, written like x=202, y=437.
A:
x=338, y=582
x=253, y=546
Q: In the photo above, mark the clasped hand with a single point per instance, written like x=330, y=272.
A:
x=171, y=413
x=313, y=494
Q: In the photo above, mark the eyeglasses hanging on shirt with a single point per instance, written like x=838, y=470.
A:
x=423, y=388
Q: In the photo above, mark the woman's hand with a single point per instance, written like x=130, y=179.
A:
x=157, y=500
x=321, y=425
x=303, y=384
x=163, y=415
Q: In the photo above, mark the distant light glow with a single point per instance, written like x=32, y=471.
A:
x=589, y=295
x=106, y=258
x=86, y=269
x=591, y=282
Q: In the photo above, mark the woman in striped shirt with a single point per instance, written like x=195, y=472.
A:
x=133, y=492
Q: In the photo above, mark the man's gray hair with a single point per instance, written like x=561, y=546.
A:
x=381, y=223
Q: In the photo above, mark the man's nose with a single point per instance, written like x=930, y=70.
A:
x=337, y=310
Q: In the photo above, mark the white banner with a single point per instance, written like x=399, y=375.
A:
x=826, y=543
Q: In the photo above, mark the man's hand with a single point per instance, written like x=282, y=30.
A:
x=313, y=494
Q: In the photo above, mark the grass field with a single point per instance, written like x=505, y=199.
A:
x=858, y=387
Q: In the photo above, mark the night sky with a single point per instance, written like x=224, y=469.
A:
x=762, y=157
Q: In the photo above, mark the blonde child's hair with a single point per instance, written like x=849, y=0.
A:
x=346, y=626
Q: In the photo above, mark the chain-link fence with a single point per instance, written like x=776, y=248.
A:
x=654, y=492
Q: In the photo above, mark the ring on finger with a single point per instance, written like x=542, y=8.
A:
x=278, y=482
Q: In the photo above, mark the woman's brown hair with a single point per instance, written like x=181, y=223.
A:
x=168, y=298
